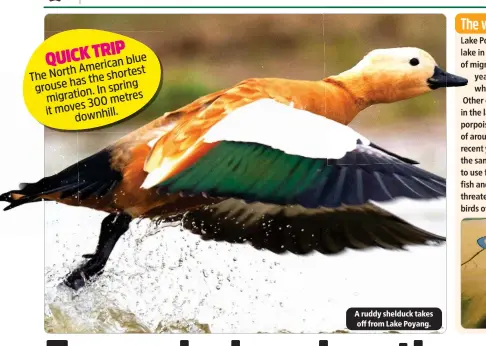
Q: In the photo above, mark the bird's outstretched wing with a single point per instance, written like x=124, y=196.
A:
x=301, y=231
x=272, y=153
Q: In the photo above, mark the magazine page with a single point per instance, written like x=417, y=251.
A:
x=300, y=171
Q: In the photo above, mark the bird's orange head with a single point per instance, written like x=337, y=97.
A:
x=395, y=74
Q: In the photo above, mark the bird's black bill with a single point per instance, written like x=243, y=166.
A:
x=443, y=79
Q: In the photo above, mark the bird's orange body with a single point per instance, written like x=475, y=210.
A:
x=186, y=125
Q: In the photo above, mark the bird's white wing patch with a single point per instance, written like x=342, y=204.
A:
x=294, y=131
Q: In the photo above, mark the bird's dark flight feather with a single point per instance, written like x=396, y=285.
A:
x=301, y=231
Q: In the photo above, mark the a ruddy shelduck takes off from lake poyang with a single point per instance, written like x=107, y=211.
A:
x=268, y=161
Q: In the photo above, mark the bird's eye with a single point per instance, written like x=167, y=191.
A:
x=414, y=62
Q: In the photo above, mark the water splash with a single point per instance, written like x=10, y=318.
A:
x=162, y=280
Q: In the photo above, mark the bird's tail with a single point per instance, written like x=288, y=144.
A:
x=16, y=198
x=6, y=197
x=92, y=176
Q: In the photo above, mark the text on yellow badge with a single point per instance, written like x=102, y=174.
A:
x=84, y=79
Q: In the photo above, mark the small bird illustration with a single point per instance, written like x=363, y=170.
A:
x=269, y=162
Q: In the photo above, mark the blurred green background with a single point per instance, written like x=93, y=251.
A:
x=202, y=53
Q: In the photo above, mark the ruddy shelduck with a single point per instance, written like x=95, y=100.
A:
x=268, y=161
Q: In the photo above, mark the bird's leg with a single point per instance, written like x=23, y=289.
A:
x=105, y=233
x=112, y=228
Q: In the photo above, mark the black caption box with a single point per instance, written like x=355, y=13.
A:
x=394, y=319
x=57, y=343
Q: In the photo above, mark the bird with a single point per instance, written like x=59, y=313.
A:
x=270, y=162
